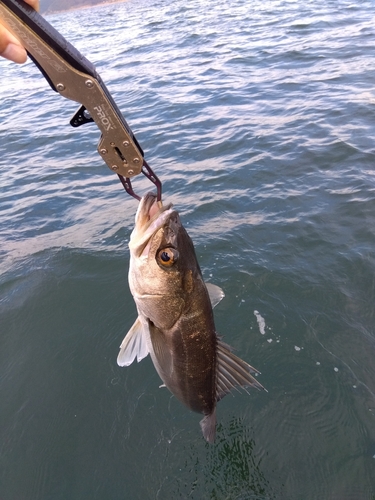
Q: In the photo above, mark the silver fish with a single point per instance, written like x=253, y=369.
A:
x=175, y=321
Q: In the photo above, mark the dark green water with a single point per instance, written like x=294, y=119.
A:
x=259, y=118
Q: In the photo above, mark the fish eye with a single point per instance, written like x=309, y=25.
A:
x=166, y=257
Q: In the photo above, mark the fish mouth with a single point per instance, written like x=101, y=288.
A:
x=150, y=210
x=152, y=206
x=151, y=216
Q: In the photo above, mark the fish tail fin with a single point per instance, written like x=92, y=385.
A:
x=233, y=372
x=208, y=426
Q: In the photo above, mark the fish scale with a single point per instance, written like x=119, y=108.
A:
x=175, y=323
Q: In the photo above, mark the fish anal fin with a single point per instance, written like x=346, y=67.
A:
x=208, y=426
x=133, y=346
x=215, y=292
x=233, y=372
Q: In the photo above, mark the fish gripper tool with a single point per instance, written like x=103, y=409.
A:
x=71, y=75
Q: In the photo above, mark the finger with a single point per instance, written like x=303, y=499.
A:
x=10, y=47
x=33, y=3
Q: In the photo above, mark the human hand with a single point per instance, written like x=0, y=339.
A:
x=10, y=47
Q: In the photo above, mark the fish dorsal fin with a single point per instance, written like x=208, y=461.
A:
x=133, y=346
x=233, y=372
x=215, y=293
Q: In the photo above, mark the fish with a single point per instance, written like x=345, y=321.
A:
x=175, y=322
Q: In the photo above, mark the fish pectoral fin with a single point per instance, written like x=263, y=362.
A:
x=133, y=346
x=233, y=372
x=162, y=352
x=215, y=292
x=208, y=426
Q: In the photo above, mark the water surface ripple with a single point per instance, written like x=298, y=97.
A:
x=259, y=118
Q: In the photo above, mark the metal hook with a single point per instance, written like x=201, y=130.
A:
x=148, y=172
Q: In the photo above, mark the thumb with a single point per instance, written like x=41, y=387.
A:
x=10, y=47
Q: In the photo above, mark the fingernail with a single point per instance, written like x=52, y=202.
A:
x=15, y=53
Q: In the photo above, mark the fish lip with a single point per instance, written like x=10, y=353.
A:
x=146, y=225
x=145, y=207
x=146, y=202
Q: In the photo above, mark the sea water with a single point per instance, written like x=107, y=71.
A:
x=259, y=118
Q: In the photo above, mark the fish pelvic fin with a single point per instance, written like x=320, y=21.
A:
x=133, y=346
x=215, y=292
x=208, y=426
x=233, y=372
